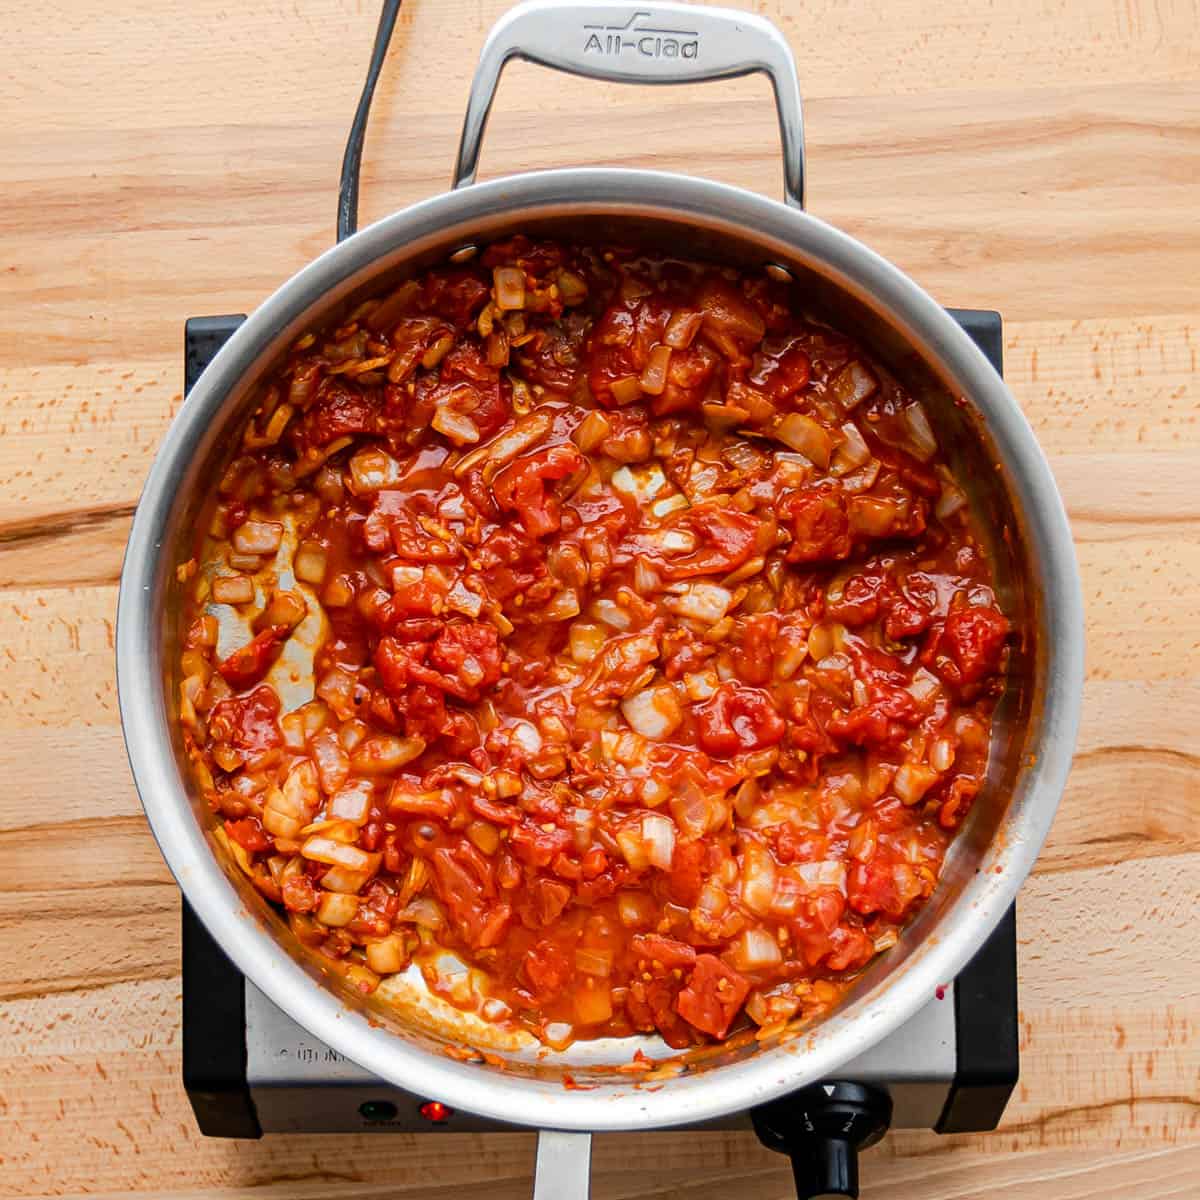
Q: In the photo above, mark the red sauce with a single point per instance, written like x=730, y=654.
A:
x=660, y=655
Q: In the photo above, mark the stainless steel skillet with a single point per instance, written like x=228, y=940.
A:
x=973, y=412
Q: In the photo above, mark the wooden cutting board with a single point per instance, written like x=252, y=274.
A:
x=160, y=160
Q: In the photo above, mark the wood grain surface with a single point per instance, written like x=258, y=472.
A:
x=161, y=159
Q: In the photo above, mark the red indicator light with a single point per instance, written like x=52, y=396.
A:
x=436, y=1111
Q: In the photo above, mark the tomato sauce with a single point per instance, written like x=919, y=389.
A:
x=658, y=660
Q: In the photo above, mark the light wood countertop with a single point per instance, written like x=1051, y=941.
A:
x=160, y=160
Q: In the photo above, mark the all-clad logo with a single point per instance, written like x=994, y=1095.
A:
x=640, y=36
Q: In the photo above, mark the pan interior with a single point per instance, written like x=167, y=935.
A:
x=404, y=1006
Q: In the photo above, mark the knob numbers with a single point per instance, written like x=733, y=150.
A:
x=822, y=1128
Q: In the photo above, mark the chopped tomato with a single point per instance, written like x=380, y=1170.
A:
x=299, y=894
x=340, y=408
x=248, y=723
x=737, y=719
x=249, y=663
x=665, y=950
x=882, y=885
x=521, y=487
x=687, y=872
x=819, y=525
x=713, y=996
x=968, y=646
x=725, y=540
x=249, y=834
x=547, y=969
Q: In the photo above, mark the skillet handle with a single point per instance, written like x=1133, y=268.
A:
x=648, y=42
x=564, y=1166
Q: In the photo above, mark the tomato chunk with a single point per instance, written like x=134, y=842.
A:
x=249, y=663
x=738, y=719
x=521, y=487
x=968, y=646
x=713, y=996
x=248, y=723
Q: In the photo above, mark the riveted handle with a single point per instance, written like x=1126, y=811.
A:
x=638, y=43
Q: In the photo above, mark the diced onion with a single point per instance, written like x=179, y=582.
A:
x=463, y=600
x=941, y=754
x=758, y=878
x=805, y=436
x=593, y=1005
x=371, y=470
x=388, y=955
x=691, y=810
x=673, y=541
x=853, y=384
x=424, y=911
x=526, y=735
x=636, y=910
x=458, y=427
x=633, y=847
x=286, y=608
x=646, y=580
x=853, y=451
x=563, y=607
x=300, y=796
x=310, y=562
x=571, y=287
x=352, y=802
x=484, y=836
x=826, y=874
x=924, y=444
x=707, y=602
x=332, y=762
x=654, y=375
x=378, y=755
x=912, y=781
x=925, y=684
x=405, y=575
x=323, y=849
x=339, y=593
x=640, y=483
x=701, y=685
x=594, y=961
x=626, y=390
x=612, y=614
x=340, y=879
x=668, y=504
x=525, y=433
x=591, y=431
x=257, y=537
x=949, y=502
x=755, y=949
x=411, y=800
x=682, y=328
x=585, y=642
x=277, y=819
x=233, y=589
x=337, y=909
x=654, y=713
x=337, y=688
x=789, y=657
x=510, y=288
x=659, y=834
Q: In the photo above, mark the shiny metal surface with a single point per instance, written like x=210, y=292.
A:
x=989, y=442
x=626, y=42
x=300, y=1085
x=564, y=1166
